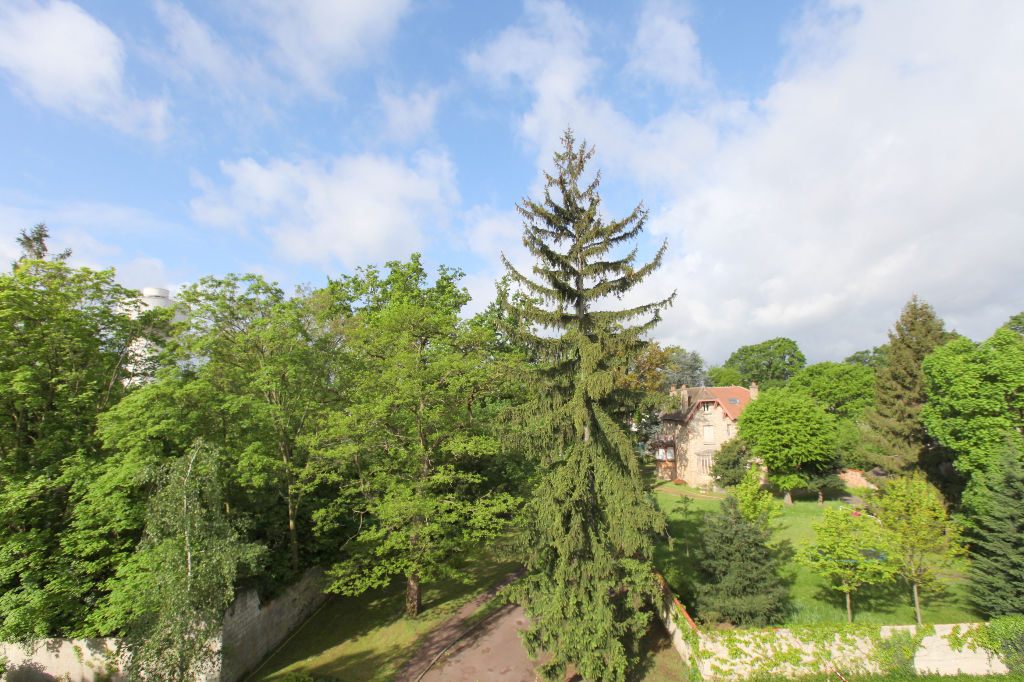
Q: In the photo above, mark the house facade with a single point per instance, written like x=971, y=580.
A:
x=692, y=435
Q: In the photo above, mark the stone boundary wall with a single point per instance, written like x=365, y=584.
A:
x=81, y=660
x=733, y=655
x=251, y=631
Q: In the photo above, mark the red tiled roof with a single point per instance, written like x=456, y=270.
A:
x=717, y=394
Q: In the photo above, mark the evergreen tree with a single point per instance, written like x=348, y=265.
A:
x=740, y=581
x=997, y=538
x=900, y=390
x=592, y=524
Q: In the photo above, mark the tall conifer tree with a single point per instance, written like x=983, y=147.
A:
x=900, y=392
x=592, y=523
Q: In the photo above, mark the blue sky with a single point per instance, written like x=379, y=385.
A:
x=812, y=165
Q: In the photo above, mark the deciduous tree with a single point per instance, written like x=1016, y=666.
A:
x=770, y=363
x=591, y=523
x=793, y=436
x=848, y=551
x=922, y=541
x=414, y=454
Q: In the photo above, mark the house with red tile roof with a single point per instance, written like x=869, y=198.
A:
x=692, y=435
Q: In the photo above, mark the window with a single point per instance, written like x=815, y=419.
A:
x=661, y=454
x=670, y=453
x=734, y=401
x=706, y=407
x=730, y=430
x=709, y=434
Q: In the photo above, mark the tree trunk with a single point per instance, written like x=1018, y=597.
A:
x=788, y=498
x=293, y=536
x=917, y=605
x=821, y=497
x=849, y=608
x=413, y=598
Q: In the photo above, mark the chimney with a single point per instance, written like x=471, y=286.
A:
x=684, y=404
x=753, y=390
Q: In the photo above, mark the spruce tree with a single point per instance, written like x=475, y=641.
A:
x=996, y=535
x=739, y=581
x=592, y=525
x=900, y=391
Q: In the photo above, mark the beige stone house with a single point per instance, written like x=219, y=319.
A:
x=692, y=435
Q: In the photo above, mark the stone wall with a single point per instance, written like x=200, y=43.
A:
x=84, y=660
x=736, y=655
x=252, y=630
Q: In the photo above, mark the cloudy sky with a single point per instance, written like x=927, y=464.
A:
x=811, y=165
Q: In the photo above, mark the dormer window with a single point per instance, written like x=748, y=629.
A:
x=706, y=407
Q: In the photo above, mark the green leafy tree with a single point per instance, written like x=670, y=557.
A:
x=685, y=368
x=900, y=389
x=756, y=504
x=841, y=389
x=848, y=551
x=411, y=452
x=731, y=463
x=923, y=542
x=793, y=436
x=592, y=526
x=770, y=363
x=725, y=376
x=996, y=535
x=168, y=600
x=739, y=572
x=68, y=345
x=975, y=397
x=874, y=358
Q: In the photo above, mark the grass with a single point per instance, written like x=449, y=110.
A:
x=812, y=600
x=368, y=637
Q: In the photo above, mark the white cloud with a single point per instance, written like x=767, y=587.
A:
x=195, y=49
x=888, y=166
x=354, y=209
x=886, y=160
x=312, y=39
x=67, y=60
x=412, y=116
x=665, y=48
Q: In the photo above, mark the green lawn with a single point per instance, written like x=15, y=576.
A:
x=367, y=637
x=812, y=600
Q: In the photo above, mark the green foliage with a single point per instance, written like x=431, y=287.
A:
x=591, y=523
x=843, y=390
x=68, y=346
x=724, y=376
x=413, y=455
x=900, y=390
x=874, y=358
x=731, y=463
x=793, y=436
x=895, y=654
x=757, y=505
x=848, y=551
x=922, y=542
x=996, y=535
x=739, y=571
x=975, y=397
x=169, y=598
x=685, y=368
x=770, y=363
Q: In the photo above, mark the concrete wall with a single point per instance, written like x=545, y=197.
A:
x=81, y=660
x=739, y=654
x=251, y=631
